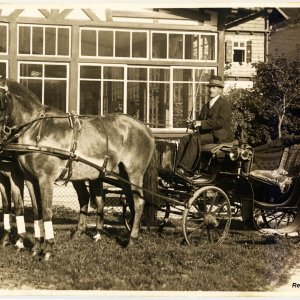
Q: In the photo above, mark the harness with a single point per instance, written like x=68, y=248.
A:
x=10, y=134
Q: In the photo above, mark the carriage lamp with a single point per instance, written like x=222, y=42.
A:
x=239, y=153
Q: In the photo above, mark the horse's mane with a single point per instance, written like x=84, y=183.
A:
x=22, y=91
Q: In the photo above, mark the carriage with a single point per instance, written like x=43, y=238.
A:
x=54, y=145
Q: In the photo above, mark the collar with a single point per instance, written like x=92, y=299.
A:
x=213, y=101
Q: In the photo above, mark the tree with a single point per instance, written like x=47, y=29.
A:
x=277, y=83
x=271, y=108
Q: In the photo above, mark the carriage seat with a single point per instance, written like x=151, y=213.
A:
x=281, y=172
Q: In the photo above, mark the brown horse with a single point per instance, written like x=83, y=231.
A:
x=113, y=143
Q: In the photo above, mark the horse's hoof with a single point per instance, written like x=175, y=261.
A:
x=97, y=237
x=5, y=243
x=19, y=245
x=35, y=253
x=78, y=234
x=48, y=256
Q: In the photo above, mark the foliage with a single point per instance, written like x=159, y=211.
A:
x=246, y=261
x=270, y=109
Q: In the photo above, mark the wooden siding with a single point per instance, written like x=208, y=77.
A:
x=257, y=24
x=258, y=52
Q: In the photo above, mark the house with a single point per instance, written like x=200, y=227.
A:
x=149, y=63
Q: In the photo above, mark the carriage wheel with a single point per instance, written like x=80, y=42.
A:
x=207, y=217
x=127, y=213
x=270, y=218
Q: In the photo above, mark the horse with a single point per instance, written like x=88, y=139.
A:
x=11, y=189
x=114, y=143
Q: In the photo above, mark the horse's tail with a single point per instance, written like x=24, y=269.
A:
x=150, y=183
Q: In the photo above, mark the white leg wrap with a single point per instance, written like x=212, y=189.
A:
x=20, y=224
x=38, y=228
x=49, y=234
x=6, y=222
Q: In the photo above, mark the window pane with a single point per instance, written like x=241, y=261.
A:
x=56, y=71
x=182, y=103
x=159, y=74
x=37, y=40
x=3, y=69
x=139, y=44
x=3, y=39
x=31, y=70
x=90, y=92
x=113, y=73
x=93, y=72
x=159, y=105
x=191, y=46
x=24, y=40
x=50, y=36
x=183, y=75
x=35, y=85
x=105, y=43
x=137, y=74
x=113, y=95
x=159, y=45
x=176, y=46
x=238, y=55
x=88, y=42
x=122, y=44
x=137, y=100
x=63, y=41
x=55, y=94
x=207, y=47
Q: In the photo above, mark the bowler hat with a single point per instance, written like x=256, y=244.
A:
x=216, y=81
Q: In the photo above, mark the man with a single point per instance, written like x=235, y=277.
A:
x=213, y=126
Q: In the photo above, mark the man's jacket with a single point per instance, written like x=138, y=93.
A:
x=217, y=120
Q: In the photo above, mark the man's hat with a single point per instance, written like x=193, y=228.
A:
x=216, y=81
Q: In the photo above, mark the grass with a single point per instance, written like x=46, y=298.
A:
x=246, y=261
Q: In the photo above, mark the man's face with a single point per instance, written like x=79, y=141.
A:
x=214, y=91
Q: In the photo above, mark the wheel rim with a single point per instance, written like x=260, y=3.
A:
x=273, y=219
x=207, y=217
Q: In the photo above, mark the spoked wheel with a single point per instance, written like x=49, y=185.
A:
x=274, y=219
x=207, y=217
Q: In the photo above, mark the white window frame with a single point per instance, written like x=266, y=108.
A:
x=43, y=78
x=44, y=28
x=114, y=43
x=148, y=81
x=184, y=33
x=7, y=39
x=239, y=48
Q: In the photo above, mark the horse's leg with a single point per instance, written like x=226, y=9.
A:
x=37, y=211
x=17, y=191
x=46, y=184
x=6, y=202
x=137, y=194
x=97, y=195
x=83, y=199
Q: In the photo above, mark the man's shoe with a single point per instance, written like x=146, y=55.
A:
x=182, y=172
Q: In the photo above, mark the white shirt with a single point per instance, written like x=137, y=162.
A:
x=213, y=101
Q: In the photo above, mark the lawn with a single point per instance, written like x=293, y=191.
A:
x=246, y=261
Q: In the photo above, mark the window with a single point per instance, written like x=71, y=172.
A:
x=48, y=81
x=179, y=46
x=163, y=97
x=113, y=43
x=3, y=68
x=238, y=51
x=3, y=38
x=43, y=40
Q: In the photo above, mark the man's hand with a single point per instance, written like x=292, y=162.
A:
x=193, y=124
